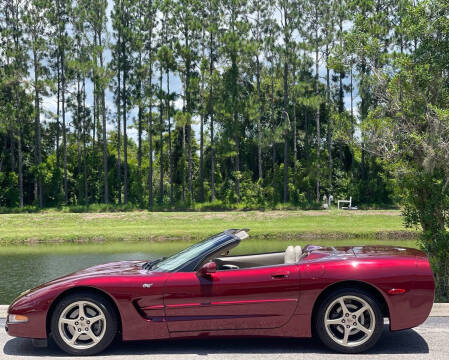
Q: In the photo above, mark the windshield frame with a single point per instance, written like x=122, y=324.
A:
x=192, y=264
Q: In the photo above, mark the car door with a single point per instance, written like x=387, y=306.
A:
x=264, y=297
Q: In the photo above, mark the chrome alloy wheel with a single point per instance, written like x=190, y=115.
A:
x=82, y=325
x=349, y=321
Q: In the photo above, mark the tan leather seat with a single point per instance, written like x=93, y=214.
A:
x=289, y=256
x=292, y=254
x=298, y=253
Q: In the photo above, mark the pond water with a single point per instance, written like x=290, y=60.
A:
x=21, y=272
x=25, y=266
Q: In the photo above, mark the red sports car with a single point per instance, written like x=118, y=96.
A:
x=341, y=295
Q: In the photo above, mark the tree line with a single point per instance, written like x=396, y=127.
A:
x=251, y=102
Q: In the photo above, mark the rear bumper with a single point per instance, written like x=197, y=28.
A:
x=413, y=308
x=411, y=311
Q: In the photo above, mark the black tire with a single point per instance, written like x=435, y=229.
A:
x=329, y=333
x=107, y=328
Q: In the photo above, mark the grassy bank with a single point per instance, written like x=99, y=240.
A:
x=192, y=226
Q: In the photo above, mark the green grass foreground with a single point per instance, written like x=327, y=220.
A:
x=60, y=227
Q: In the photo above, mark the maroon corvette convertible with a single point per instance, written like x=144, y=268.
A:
x=341, y=295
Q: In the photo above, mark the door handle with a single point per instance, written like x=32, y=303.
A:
x=280, y=274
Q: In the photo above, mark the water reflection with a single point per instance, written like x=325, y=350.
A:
x=21, y=272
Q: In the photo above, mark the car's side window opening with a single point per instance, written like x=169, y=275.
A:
x=292, y=255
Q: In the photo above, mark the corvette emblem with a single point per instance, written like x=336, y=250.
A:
x=147, y=285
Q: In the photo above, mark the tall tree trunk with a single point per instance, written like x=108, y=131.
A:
x=341, y=104
x=125, y=138
x=212, y=158
x=202, y=115
x=139, y=149
x=317, y=120
x=329, y=120
x=12, y=149
x=119, y=132
x=273, y=143
x=19, y=148
x=341, y=94
x=161, y=154
x=183, y=157
x=189, y=163
x=37, y=125
x=150, y=150
x=189, y=125
x=212, y=139
x=211, y=116
x=259, y=125
x=84, y=125
x=237, y=167
x=57, y=110
x=79, y=134
x=139, y=130
x=105, y=140
x=1, y=155
x=286, y=130
x=150, y=115
x=351, y=89
x=306, y=135
x=64, y=129
x=286, y=61
x=95, y=112
x=363, y=114
x=183, y=163
x=295, y=150
x=170, y=155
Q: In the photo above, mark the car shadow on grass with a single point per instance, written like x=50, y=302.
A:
x=402, y=342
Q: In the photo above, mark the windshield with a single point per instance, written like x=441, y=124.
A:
x=175, y=261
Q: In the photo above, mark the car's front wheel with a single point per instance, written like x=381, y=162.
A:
x=349, y=321
x=83, y=324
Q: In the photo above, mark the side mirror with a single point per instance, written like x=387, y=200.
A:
x=207, y=269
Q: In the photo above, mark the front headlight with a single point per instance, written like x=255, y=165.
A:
x=17, y=319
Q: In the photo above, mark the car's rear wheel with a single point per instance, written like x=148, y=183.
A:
x=349, y=321
x=83, y=324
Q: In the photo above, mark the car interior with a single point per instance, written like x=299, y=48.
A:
x=290, y=256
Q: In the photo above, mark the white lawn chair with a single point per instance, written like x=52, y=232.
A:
x=349, y=202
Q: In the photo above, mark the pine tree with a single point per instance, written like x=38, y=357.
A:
x=116, y=65
x=36, y=24
x=149, y=24
x=189, y=28
x=259, y=10
x=314, y=14
x=287, y=10
x=15, y=71
x=97, y=20
x=235, y=47
x=213, y=14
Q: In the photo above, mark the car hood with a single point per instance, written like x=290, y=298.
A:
x=118, y=268
x=85, y=277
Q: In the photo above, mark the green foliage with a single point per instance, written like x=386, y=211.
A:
x=9, y=194
x=409, y=126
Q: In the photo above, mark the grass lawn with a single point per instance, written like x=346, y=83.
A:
x=52, y=226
